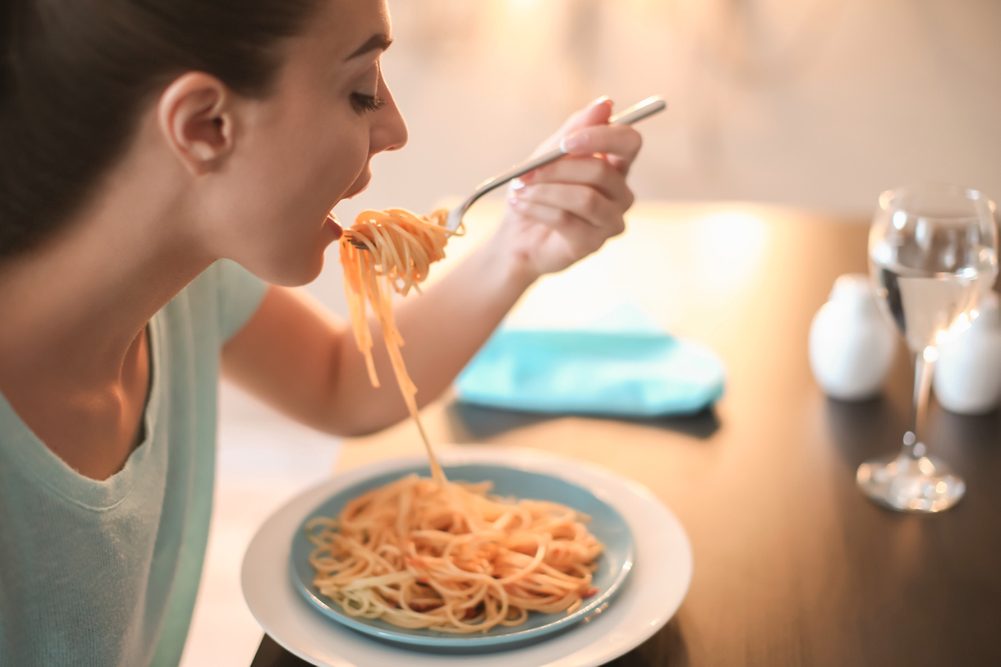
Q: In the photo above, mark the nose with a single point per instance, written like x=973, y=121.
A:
x=389, y=130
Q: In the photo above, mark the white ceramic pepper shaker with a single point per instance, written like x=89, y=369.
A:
x=967, y=376
x=852, y=343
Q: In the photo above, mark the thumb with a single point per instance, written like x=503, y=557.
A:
x=596, y=113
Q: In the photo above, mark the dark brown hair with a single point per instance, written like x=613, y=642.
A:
x=75, y=75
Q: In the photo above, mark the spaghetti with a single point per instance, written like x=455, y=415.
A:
x=451, y=558
x=398, y=247
x=434, y=554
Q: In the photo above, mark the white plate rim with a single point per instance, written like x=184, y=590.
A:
x=663, y=564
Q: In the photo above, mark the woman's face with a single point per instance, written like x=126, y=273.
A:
x=309, y=143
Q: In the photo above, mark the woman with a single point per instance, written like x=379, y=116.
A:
x=166, y=172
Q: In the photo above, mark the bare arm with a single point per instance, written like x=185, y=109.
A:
x=303, y=360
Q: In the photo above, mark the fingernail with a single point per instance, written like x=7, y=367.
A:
x=517, y=184
x=604, y=99
x=517, y=203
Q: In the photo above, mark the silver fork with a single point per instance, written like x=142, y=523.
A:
x=638, y=111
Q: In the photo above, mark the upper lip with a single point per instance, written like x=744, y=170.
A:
x=358, y=188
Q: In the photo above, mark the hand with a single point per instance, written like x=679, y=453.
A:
x=567, y=209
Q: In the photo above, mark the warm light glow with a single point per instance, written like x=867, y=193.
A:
x=523, y=5
x=528, y=23
x=730, y=246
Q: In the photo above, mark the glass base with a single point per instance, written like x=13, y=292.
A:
x=910, y=484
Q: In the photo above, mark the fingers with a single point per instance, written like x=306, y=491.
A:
x=621, y=143
x=596, y=113
x=587, y=132
x=580, y=237
x=562, y=203
x=591, y=171
x=570, y=207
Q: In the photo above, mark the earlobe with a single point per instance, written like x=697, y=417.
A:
x=196, y=121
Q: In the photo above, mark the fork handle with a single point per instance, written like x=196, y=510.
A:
x=638, y=111
x=521, y=169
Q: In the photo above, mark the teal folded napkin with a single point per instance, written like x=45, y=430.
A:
x=631, y=373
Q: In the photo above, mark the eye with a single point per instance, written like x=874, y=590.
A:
x=363, y=103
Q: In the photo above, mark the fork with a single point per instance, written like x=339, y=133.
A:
x=638, y=111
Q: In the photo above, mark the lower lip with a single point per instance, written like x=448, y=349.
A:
x=333, y=226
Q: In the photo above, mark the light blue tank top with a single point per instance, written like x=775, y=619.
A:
x=105, y=572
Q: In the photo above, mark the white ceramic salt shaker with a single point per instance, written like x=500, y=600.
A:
x=967, y=376
x=852, y=343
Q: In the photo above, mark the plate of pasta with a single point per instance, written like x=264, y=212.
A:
x=498, y=555
x=647, y=599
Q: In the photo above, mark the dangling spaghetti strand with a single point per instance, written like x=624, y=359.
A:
x=435, y=554
x=398, y=250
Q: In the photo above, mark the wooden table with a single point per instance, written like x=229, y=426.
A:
x=793, y=566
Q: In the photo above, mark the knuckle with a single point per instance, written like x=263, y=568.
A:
x=620, y=226
x=597, y=242
x=598, y=170
x=635, y=142
x=630, y=199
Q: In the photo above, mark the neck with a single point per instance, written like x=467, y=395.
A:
x=74, y=308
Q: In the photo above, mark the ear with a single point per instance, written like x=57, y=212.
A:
x=196, y=118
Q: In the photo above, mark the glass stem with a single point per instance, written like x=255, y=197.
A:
x=924, y=364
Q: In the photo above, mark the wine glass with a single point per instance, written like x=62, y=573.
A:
x=933, y=252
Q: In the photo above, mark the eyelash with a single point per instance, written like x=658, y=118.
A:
x=365, y=103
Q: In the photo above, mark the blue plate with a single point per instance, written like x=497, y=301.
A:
x=606, y=524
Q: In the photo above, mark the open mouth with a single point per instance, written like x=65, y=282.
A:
x=334, y=224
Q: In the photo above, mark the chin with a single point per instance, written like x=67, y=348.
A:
x=298, y=273
x=293, y=268
x=290, y=258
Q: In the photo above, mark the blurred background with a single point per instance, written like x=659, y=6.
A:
x=817, y=103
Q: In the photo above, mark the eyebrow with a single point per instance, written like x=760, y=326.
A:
x=377, y=42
